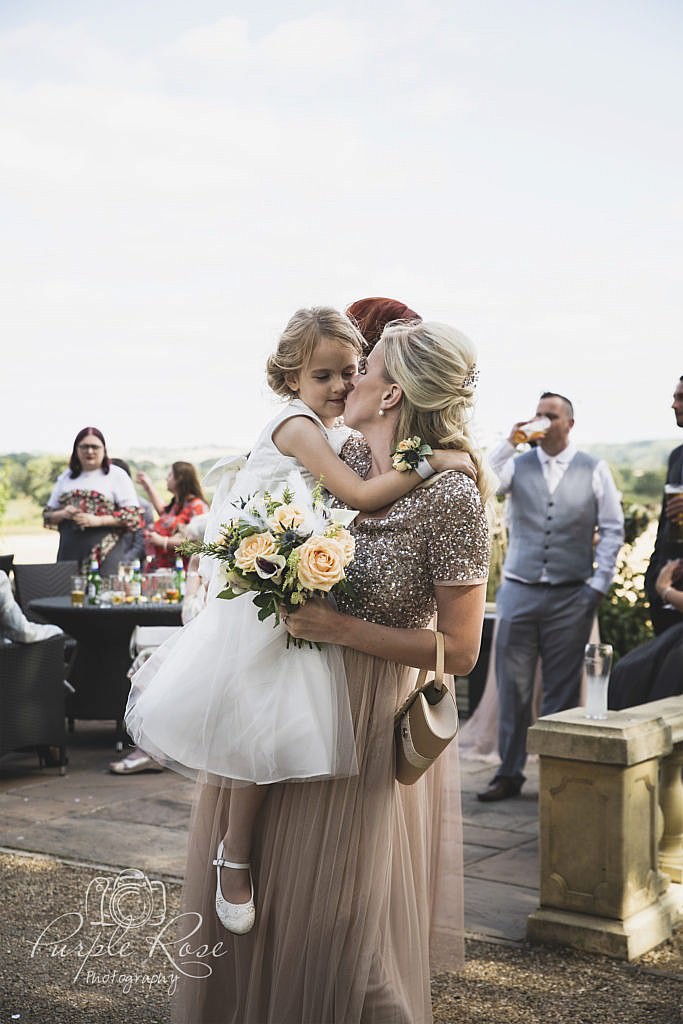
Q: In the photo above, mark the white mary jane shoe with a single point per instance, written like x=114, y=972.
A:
x=238, y=918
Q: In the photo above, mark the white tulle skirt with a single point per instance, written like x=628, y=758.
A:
x=225, y=699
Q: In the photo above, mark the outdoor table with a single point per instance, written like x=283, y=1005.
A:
x=477, y=677
x=100, y=665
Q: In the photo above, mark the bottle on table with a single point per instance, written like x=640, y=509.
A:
x=94, y=583
x=135, y=585
x=179, y=577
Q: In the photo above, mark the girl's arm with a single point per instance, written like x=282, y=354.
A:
x=300, y=438
x=460, y=614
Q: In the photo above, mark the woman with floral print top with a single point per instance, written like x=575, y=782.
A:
x=188, y=501
x=92, y=504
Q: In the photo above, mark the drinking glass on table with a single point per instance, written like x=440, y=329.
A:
x=78, y=587
x=118, y=590
x=104, y=596
x=673, y=532
x=126, y=571
x=597, y=664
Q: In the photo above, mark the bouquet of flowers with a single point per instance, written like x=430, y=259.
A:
x=282, y=551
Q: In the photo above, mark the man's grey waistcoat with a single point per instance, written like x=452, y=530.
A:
x=552, y=532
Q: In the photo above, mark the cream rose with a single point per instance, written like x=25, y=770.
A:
x=253, y=547
x=287, y=517
x=321, y=563
x=345, y=540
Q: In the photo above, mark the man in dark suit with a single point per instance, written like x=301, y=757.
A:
x=672, y=510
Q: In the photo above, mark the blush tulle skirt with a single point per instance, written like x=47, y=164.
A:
x=358, y=886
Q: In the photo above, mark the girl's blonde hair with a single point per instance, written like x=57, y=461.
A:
x=435, y=366
x=299, y=339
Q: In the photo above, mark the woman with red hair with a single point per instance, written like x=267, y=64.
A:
x=372, y=315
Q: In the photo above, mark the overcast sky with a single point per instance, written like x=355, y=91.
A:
x=177, y=178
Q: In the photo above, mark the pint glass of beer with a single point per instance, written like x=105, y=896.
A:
x=532, y=431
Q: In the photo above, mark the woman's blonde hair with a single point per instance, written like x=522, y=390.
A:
x=297, y=343
x=435, y=366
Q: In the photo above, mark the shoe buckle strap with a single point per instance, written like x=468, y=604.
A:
x=220, y=862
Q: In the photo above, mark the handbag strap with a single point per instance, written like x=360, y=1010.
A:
x=438, y=675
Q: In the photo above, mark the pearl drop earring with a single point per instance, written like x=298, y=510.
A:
x=381, y=412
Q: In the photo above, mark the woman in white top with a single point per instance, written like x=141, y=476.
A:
x=92, y=504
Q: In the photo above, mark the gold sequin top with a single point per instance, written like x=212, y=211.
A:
x=436, y=534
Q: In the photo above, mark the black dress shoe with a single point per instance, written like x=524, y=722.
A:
x=500, y=789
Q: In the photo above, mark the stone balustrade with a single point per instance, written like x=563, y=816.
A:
x=611, y=828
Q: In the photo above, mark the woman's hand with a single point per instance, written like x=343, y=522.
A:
x=144, y=480
x=665, y=577
x=316, y=621
x=159, y=540
x=85, y=519
x=58, y=515
x=445, y=459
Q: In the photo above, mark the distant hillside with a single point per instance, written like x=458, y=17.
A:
x=638, y=456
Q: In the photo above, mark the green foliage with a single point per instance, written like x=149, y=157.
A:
x=498, y=535
x=624, y=615
x=41, y=473
x=5, y=490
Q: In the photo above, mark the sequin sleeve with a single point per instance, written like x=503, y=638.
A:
x=355, y=452
x=457, y=533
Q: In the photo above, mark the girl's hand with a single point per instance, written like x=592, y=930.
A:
x=157, y=539
x=144, y=480
x=449, y=459
x=316, y=621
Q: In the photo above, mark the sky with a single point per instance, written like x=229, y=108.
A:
x=176, y=179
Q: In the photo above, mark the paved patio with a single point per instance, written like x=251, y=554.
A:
x=92, y=817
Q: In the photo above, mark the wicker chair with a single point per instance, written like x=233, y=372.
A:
x=51, y=579
x=32, y=698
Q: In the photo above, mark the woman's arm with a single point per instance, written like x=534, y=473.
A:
x=88, y=520
x=300, y=438
x=163, y=541
x=152, y=492
x=460, y=614
x=663, y=586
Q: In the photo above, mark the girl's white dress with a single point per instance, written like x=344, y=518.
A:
x=224, y=697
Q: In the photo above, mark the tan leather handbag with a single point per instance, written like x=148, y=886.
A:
x=425, y=723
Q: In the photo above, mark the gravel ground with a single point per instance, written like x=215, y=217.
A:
x=501, y=984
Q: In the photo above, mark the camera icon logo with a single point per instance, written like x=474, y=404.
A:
x=129, y=900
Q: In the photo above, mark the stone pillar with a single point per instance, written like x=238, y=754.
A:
x=671, y=800
x=601, y=889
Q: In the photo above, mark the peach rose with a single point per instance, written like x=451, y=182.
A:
x=321, y=563
x=346, y=541
x=252, y=547
x=287, y=517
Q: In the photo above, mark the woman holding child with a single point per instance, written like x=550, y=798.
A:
x=357, y=881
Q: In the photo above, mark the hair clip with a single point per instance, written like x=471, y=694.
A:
x=471, y=377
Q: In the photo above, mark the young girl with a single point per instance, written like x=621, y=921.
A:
x=223, y=700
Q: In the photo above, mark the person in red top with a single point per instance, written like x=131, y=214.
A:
x=188, y=501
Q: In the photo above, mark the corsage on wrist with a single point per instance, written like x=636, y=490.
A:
x=411, y=453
